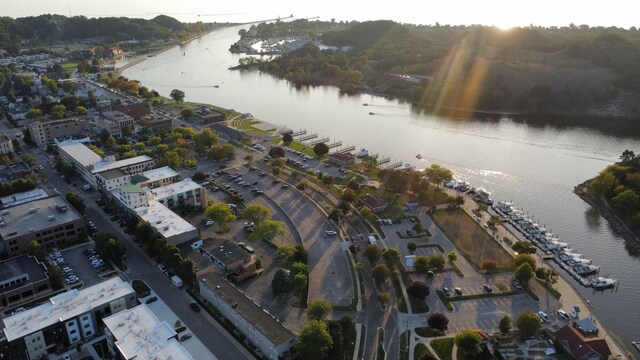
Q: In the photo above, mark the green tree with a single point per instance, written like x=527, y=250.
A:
x=348, y=196
x=373, y=253
x=452, y=256
x=35, y=249
x=171, y=159
x=29, y=159
x=411, y=246
x=268, y=230
x=34, y=114
x=626, y=201
x=525, y=258
x=524, y=273
x=285, y=255
x=438, y=174
x=177, y=95
x=505, y=325
x=57, y=111
x=187, y=113
x=276, y=152
x=221, y=214
x=318, y=309
x=256, y=213
x=437, y=262
x=77, y=202
x=418, y=290
x=321, y=149
x=287, y=138
x=438, y=321
x=299, y=283
x=468, y=341
x=380, y=273
x=366, y=213
x=392, y=257
x=281, y=282
x=204, y=140
x=55, y=275
x=528, y=324
x=314, y=341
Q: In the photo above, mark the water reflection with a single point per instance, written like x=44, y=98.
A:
x=593, y=218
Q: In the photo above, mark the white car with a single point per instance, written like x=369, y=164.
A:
x=544, y=317
x=563, y=314
x=330, y=233
x=209, y=223
x=56, y=191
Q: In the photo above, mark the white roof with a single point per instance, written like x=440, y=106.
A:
x=163, y=220
x=80, y=153
x=23, y=197
x=104, y=166
x=179, y=187
x=64, y=306
x=160, y=173
x=139, y=334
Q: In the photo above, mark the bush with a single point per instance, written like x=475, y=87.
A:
x=418, y=290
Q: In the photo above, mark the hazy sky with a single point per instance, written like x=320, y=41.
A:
x=503, y=13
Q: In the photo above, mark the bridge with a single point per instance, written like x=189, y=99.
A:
x=308, y=137
x=395, y=165
x=383, y=161
x=335, y=144
x=318, y=141
x=298, y=133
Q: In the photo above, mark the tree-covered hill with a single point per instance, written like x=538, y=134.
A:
x=574, y=70
x=43, y=29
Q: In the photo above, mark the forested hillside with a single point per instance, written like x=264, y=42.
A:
x=574, y=70
x=44, y=29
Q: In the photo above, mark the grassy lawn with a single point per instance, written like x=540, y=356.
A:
x=420, y=351
x=402, y=306
x=404, y=345
x=418, y=306
x=428, y=332
x=69, y=66
x=381, y=353
x=246, y=125
x=471, y=240
x=443, y=347
x=302, y=148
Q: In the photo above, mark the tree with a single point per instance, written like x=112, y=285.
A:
x=626, y=201
x=287, y=138
x=314, y=341
x=523, y=273
x=528, y=323
x=437, y=262
x=380, y=273
x=438, y=174
x=348, y=196
x=392, y=257
x=418, y=290
x=34, y=114
x=384, y=297
x=205, y=139
x=267, y=230
x=285, y=255
x=221, y=214
x=373, y=253
x=459, y=200
x=627, y=156
x=452, y=256
x=523, y=247
x=256, y=213
x=468, y=341
x=76, y=202
x=505, y=325
x=366, y=213
x=489, y=265
x=177, y=95
x=299, y=283
x=321, y=149
x=55, y=275
x=35, y=249
x=276, y=152
x=280, y=282
x=29, y=159
x=318, y=309
x=438, y=321
x=525, y=258
x=421, y=264
x=57, y=111
x=411, y=246
x=187, y=113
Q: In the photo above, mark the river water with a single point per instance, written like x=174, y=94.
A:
x=535, y=167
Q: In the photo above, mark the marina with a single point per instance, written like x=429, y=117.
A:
x=581, y=269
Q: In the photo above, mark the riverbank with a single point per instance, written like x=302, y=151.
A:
x=605, y=210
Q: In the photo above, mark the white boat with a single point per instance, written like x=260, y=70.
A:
x=603, y=283
x=362, y=153
x=418, y=156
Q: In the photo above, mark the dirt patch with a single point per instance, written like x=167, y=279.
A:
x=470, y=239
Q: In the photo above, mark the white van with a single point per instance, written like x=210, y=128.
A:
x=176, y=281
x=372, y=240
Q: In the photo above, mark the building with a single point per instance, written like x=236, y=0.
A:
x=115, y=121
x=228, y=133
x=112, y=179
x=22, y=278
x=113, y=53
x=203, y=115
x=156, y=177
x=231, y=260
x=45, y=132
x=185, y=192
x=19, y=169
x=166, y=223
x=131, y=166
x=578, y=347
x=134, y=108
x=23, y=197
x=342, y=159
x=51, y=222
x=156, y=121
x=373, y=203
x=137, y=333
x=266, y=332
x=66, y=320
x=6, y=145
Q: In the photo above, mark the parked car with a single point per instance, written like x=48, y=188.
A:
x=330, y=233
x=516, y=284
x=563, y=314
x=195, y=307
x=151, y=299
x=209, y=222
x=487, y=287
x=458, y=291
x=446, y=291
x=544, y=317
x=185, y=337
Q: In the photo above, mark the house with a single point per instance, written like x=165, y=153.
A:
x=135, y=109
x=113, y=53
x=342, y=159
x=204, y=115
x=22, y=278
x=6, y=145
x=587, y=326
x=373, y=203
x=578, y=347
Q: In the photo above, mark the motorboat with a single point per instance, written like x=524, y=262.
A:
x=418, y=156
x=372, y=113
x=603, y=283
x=362, y=153
x=636, y=344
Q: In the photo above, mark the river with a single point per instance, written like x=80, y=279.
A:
x=535, y=167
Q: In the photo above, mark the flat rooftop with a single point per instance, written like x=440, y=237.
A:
x=79, y=152
x=227, y=252
x=266, y=323
x=140, y=335
x=36, y=215
x=163, y=220
x=113, y=174
x=18, y=266
x=23, y=197
x=63, y=307
x=104, y=165
x=160, y=174
x=179, y=187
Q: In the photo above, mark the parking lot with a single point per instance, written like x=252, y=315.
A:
x=81, y=265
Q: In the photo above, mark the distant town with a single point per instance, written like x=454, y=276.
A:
x=134, y=225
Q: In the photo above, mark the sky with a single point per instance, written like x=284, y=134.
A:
x=501, y=13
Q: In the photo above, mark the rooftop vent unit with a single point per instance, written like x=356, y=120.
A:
x=51, y=217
